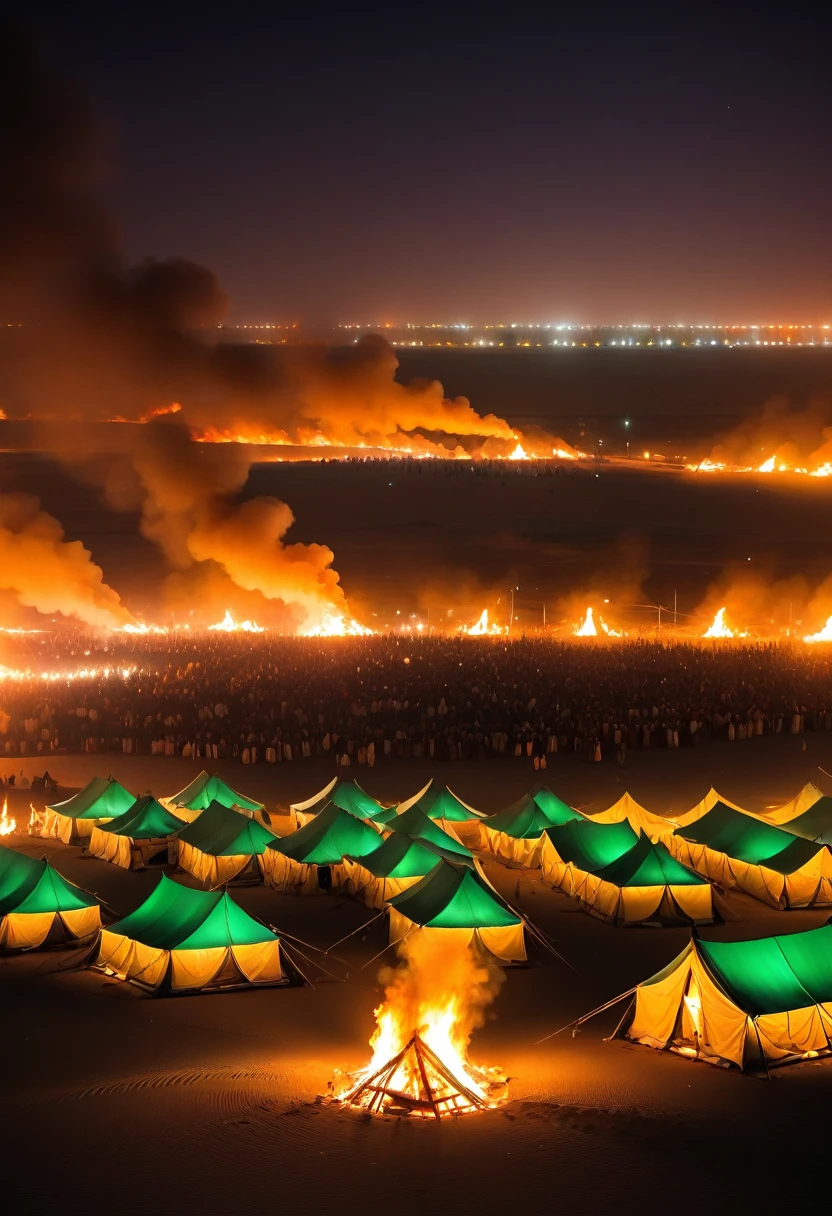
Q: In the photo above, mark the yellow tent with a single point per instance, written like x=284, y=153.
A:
x=627, y=810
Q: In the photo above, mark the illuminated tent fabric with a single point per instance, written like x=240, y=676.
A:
x=190, y=941
x=627, y=810
x=458, y=902
x=795, y=807
x=137, y=837
x=398, y=863
x=38, y=906
x=751, y=1003
x=208, y=788
x=813, y=821
x=622, y=876
x=420, y=827
x=738, y=850
x=310, y=859
x=222, y=845
x=440, y=804
x=711, y=799
x=515, y=833
x=72, y=821
x=348, y=795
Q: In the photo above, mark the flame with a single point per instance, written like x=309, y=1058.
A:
x=718, y=628
x=587, y=628
x=823, y=635
x=767, y=466
x=77, y=673
x=142, y=629
x=611, y=633
x=518, y=453
x=7, y=826
x=436, y=994
x=229, y=625
x=482, y=628
x=337, y=627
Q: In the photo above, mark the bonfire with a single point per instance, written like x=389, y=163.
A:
x=823, y=635
x=337, y=627
x=420, y=1064
x=229, y=625
x=7, y=825
x=483, y=628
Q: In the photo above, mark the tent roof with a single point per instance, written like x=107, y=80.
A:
x=638, y=817
x=332, y=835
x=400, y=856
x=727, y=830
x=529, y=816
x=441, y=803
x=773, y=974
x=101, y=798
x=711, y=799
x=146, y=819
x=647, y=864
x=414, y=823
x=454, y=896
x=174, y=917
x=29, y=885
x=208, y=788
x=592, y=845
x=814, y=823
x=224, y=832
x=348, y=795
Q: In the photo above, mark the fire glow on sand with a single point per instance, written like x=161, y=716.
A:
x=433, y=1001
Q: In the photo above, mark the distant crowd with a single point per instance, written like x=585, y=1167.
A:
x=367, y=700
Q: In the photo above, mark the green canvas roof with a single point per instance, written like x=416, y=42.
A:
x=591, y=846
x=101, y=798
x=179, y=918
x=649, y=865
x=528, y=818
x=443, y=804
x=328, y=838
x=745, y=838
x=350, y=797
x=413, y=823
x=28, y=885
x=454, y=896
x=147, y=819
x=206, y=789
x=774, y=974
x=400, y=856
x=223, y=832
x=815, y=823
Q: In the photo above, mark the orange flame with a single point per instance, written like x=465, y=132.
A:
x=337, y=627
x=229, y=625
x=823, y=635
x=587, y=628
x=7, y=826
x=483, y=628
x=718, y=628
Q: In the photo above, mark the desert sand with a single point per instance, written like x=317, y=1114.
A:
x=114, y=1100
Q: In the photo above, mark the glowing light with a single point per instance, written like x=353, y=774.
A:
x=519, y=453
x=337, y=627
x=229, y=625
x=718, y=628
x=587, y=628
x=142, y=629
x=7, y=826
x=767, y=466
x=482, y=628
x=823, y=635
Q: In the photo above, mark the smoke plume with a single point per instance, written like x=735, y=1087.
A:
x=49, y=573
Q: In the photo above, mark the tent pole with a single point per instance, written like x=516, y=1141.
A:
x=358, y=930
x=587, y=1016
x=386, y=948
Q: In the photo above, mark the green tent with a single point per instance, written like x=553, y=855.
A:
x=814, y=823
x=414, y=823
x=441, y=804
x=623, y=877
x=310, y=859
x=397, y=863
x=221, y=846
x=456, y=896
x=138, y=837
x=208, y=788
x=749, y=1003
x=72, y=821
x=190, y=941
x=38, y=905
x=514, y=834
x=146, y=819
x=735, y=849
x=348, y=795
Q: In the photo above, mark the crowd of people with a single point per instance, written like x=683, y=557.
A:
x=364, y=700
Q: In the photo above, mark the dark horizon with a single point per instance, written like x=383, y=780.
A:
x=613, y=167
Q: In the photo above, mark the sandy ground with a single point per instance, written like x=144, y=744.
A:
x=116, y=1097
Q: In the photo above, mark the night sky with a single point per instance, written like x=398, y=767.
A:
x=433, y=164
